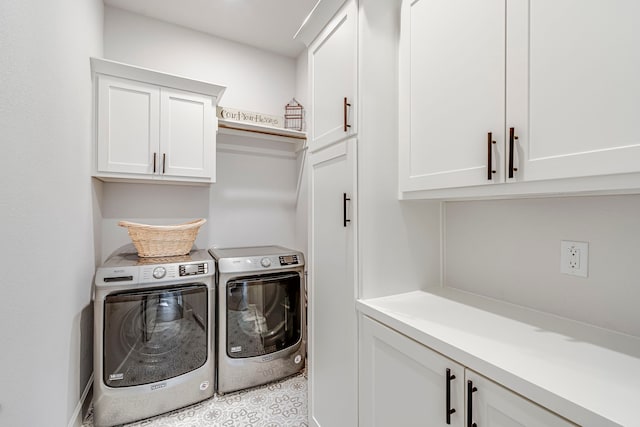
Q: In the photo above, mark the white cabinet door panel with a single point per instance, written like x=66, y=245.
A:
x=451, y=92
x=333, y=68
x=187, y=134
x=128, y=125
x=403, y=383
x=332, y=289
x=573, y=93
x=496, y=406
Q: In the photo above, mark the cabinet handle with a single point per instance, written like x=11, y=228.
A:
x=154, y=162
x=490, y=170
x=450, y=410
x=470, y=390
x=345, y=105
x=164, y=162
x=344, y=209
x=512, y=138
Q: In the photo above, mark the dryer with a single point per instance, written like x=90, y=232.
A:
x=261, y=315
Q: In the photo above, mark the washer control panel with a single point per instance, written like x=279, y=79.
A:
x=275, y=261
x=193, y=269
x=288, y=259
x=265, y=262
x=267, y=258
x=159, y=272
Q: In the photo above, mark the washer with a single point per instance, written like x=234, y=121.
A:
x=261, y=315
x=153, y=335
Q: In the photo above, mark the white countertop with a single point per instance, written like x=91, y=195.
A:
x=587, y=374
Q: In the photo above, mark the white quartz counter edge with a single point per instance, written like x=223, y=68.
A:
x=588, y=375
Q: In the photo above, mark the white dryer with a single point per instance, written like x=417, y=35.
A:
x=261, y=315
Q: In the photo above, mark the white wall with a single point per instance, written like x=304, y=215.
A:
x=399, y=241
x=256, y=80
x=47, y=250
x=510, y=250
x=253, y=201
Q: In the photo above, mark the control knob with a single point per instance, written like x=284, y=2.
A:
x=265, y=262
x=159, y=272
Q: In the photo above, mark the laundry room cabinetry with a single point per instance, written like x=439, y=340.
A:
x=526, y=99
x=332, y=287
x=333, y=79
x=513, y=366
x=404, y=383
x=152, y=126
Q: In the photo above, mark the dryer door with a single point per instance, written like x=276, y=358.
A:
x=156, y=334
x=263, y=314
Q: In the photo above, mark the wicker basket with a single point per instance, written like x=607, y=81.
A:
x=163, y=240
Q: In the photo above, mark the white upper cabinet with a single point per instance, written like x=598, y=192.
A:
x=333, y=77
x=154, y=126
x=452, y=91
x=535, y=91
x=187, y=134
x=128, y=126
x=573, y=92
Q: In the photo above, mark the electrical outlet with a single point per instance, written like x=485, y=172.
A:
x=574, y=258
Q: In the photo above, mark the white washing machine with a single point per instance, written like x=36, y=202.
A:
x=261, y=315
x=153, y=335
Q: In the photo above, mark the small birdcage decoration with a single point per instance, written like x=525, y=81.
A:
x=294, y=115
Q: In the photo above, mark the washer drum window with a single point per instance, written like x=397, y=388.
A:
x=154, y=335
x=263, y=314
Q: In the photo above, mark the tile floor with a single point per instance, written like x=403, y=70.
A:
x=279, y=404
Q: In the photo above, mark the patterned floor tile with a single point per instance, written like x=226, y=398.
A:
x=279, y=404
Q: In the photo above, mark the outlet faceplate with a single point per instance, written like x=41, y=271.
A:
x=574, y=258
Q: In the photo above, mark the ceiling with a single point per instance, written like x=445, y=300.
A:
x=265, y=24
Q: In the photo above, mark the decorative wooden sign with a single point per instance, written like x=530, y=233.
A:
x=249, y=116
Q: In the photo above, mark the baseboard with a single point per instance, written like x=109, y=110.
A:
x=76, y=417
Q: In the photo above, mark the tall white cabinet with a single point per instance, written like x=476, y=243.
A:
x=519, y=92
x=153, y=126
x=333, y=290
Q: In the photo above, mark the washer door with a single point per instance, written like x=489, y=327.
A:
x=154, y=335
x=263, y=314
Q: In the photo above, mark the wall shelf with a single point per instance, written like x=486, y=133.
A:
x=233, y=127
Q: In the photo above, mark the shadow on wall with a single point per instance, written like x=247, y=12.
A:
x=86, y=355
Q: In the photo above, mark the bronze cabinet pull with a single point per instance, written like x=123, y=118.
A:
x=345, y=105
x=490, y=170
x=344, y=209
x=512, y=138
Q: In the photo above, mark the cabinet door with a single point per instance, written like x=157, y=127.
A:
x=495, y=406
x=332, y=288
x=573, y=93
x=187, y=134
x=452, y=92
x=403, y=383
x=333, y=68
x=128, y=125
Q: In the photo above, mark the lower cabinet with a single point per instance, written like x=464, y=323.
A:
x=403, y=383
